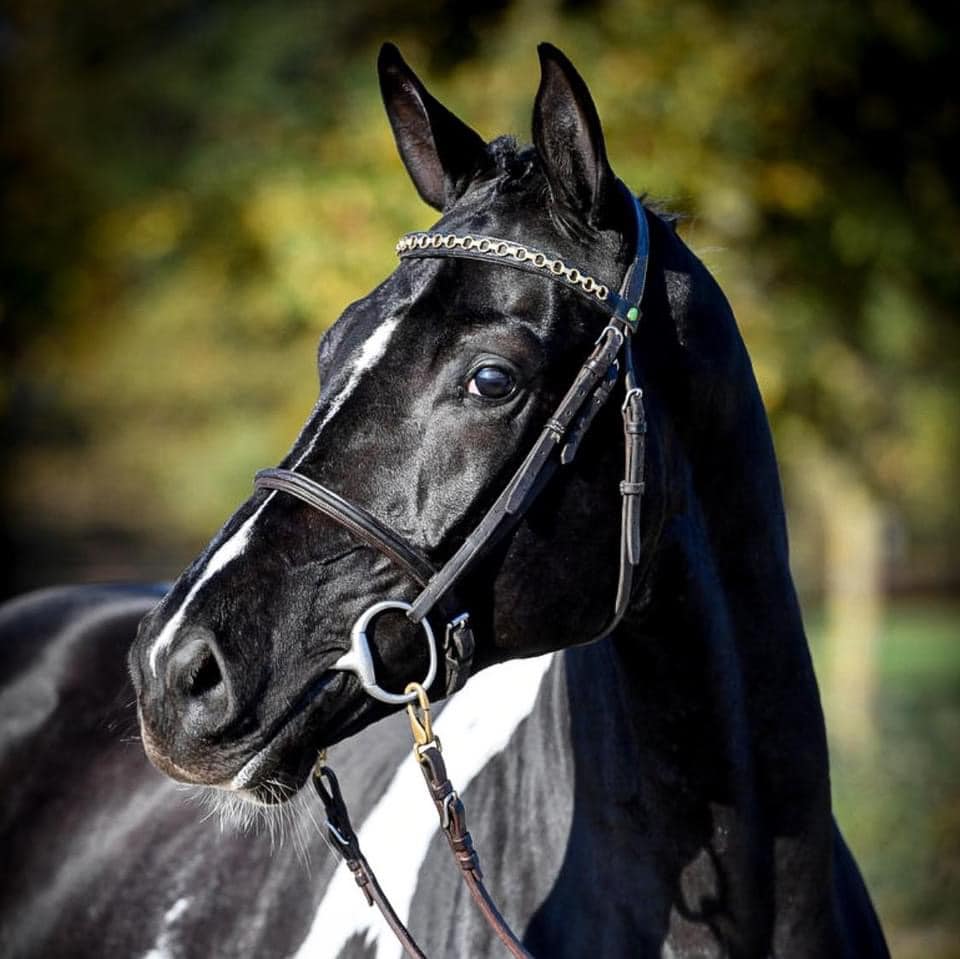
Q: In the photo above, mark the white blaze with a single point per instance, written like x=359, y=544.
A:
x=226, y=552
x=369, y=354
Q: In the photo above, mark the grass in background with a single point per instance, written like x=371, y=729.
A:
x=898, y=798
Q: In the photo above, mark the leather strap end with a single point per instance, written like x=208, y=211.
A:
x=632, y=486
x=459, y=648
x=582, y=423
x=631, y=529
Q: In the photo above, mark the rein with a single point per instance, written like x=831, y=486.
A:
x=590, y=390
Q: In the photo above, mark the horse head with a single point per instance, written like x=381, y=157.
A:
x=435, y=388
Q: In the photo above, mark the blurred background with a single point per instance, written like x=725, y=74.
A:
x=193, y=190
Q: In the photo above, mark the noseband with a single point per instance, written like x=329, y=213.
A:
x=590, y=390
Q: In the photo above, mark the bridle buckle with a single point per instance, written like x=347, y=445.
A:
x=633, y=393
x=421, y=722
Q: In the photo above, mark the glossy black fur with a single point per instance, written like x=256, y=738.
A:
x=673, y=793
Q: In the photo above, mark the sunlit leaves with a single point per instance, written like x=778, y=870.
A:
x=206, y=186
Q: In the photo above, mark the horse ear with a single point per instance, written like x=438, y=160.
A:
x=569, y=139
x=441, y=153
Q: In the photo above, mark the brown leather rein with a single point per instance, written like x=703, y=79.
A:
x=453, y=823
x=591, y=388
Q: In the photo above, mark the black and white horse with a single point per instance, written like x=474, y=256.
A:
x=661, y=792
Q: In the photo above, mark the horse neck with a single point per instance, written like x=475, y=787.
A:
x=699, y=724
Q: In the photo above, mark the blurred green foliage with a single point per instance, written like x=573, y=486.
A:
x=193, y=190
x=899, y=801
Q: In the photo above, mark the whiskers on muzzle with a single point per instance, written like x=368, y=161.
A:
x=294, y=821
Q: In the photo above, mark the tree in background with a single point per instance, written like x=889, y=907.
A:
x=193, y=190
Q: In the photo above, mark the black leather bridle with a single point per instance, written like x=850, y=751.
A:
x=591, y=388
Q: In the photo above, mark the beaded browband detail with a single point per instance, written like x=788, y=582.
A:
x=622, y=305
x=493, y=248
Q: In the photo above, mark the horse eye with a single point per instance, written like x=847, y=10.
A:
x=491, y=382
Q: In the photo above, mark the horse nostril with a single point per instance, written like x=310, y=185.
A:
x=194, y=670
x=207, y=676
x=200, y=699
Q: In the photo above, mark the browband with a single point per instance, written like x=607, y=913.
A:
x=624, y=306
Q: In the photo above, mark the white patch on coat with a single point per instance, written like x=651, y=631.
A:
x=397, y=834
x=371, y=351
x=162, y=948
